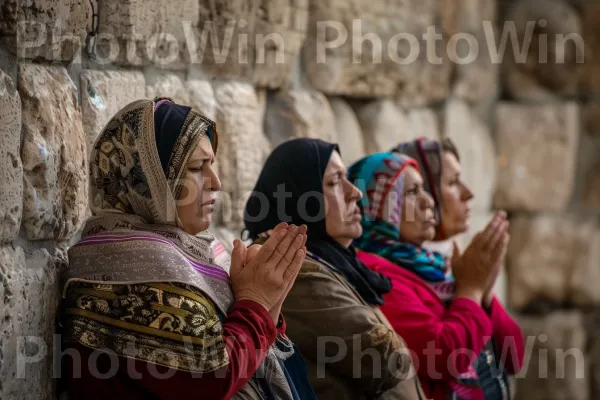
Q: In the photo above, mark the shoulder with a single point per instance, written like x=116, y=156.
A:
x=312, y=266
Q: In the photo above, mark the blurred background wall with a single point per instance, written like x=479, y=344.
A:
x=525, y=117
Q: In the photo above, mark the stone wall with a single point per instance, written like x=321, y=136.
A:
x=527, y=125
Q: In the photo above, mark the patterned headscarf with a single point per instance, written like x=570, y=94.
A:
x=134, y=250
x=380, y=178
x=137, y=165
x=428, y=154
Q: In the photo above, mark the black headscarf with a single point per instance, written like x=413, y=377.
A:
x=290, y=189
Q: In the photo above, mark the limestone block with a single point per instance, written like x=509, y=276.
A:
x=285, y=22
x=147, y=32
x=360, y=48
x=424, y=122
x=553, y=259
x=476, y=150
x=299, y=114
x=104, y=93
x=429, y=76
x=551, y=66
x=161, y=84
x=384, y=125
x=590, y=81
x=466, y=16
x=202, y=98
x=591, y=119
x=350, y=139
x=242, y=147
x=591, y=187
x=464, y=24
x=53, y=154
x=257, y=41
x=11, y=168
x=536, y=146
x=555, y=367
x=54, y=30
x=592, y=322
x=475, y=77
x=30, y=296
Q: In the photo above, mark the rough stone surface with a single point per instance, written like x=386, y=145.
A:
x=553, y=260
x=53, y=154
x=275, y=60
x=424, y=122
x=475, y=80
x=147, y=32
x=536, y=145
x=29, y=291
x=466, y=16
x=103, y=94
x=161, y=84
x=202, y=98
x=555, y=358
x=339, y=62
x=590, y=81
x=475, y=77
x=591, y=119
x=242, y=147
x=11, y=168
x=592, y=322
x=429, y=78
x=476, y=150
x=350, y=137
x=544, y=72
x=591, y=187
x=299, y=114
x=384, y=125
x=54, y=29
x=263, y=37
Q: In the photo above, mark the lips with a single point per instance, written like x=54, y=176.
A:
x=209, y=202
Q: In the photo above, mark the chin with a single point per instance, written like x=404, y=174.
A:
x=200, y=226
x=429, y=234
x=356, y=231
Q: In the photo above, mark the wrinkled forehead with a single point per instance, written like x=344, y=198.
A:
x=203, y=151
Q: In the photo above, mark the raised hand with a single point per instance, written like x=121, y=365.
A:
x=266, y=274
x=477, y=268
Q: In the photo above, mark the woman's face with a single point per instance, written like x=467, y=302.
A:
x=417, y=223
x=455, y=197
x=342, y=214
x=196, y=203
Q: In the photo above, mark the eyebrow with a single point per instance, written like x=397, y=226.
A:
x=201, y=159
x=339, y=171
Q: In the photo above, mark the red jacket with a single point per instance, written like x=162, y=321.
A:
x=433, y=331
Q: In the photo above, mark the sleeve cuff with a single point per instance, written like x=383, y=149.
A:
x=479, y=313
x=261, y=314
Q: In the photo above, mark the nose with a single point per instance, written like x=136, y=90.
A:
x=353, y=194
x=214, y=181
x=466, y=193
x=426, y=200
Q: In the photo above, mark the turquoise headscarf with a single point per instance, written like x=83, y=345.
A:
x=380, y=178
